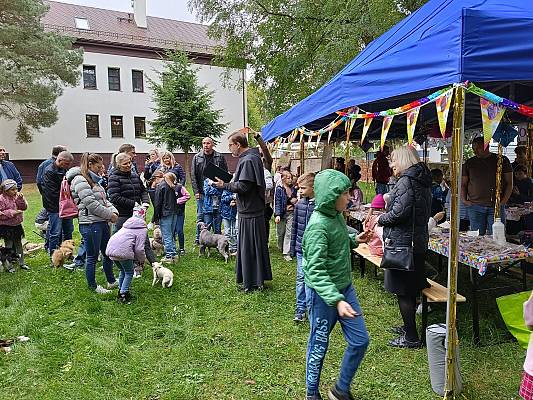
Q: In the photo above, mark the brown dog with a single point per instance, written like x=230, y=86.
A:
x=64, y=253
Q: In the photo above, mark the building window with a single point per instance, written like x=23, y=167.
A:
x=89, y=77
x=82, y=23
x=92, y=125
x=113, y=77
x=117, y=127
x=140, y=127
x=137, y=81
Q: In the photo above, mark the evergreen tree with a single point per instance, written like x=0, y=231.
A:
x=183, y=108
x=34, y=67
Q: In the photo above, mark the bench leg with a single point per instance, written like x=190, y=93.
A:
x=375, y=271
x=475, y=306
x=523, y=264
x=439, y=263
x=424, y=319
x=362, y=266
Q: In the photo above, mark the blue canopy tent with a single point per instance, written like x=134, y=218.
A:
x=444, y=42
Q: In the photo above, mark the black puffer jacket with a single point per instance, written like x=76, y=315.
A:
x=413, y=189
x=124, y=190
x=51, y=185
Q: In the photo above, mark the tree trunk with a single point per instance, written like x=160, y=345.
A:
x=187, y=165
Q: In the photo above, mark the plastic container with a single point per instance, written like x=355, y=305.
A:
x=436, y=347
x=498, y=232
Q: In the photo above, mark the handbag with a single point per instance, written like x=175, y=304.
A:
x=67, y=206
x=399, y=258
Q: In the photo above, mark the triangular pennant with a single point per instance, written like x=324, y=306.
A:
x=366, y=126
x=387, y=121
x=412, y=117
x=329, y=135
x=491, y=115
x=443, y=107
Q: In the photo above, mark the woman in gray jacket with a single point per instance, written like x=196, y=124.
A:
x=95, y=214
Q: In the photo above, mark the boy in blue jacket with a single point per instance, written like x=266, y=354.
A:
x=302, y=213
x=228, y=211
x=212, y=205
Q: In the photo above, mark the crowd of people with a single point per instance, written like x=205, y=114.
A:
x=309, y=215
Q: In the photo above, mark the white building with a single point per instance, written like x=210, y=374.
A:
x=112, y=102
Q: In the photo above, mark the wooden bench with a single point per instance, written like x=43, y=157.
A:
x=436, y=293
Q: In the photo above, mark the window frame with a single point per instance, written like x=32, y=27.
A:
x=141, y=74
x=109, y=69
x=111, y=117
x=85, y=86
x=142, y=135
x=88, y=135
x=79, y=26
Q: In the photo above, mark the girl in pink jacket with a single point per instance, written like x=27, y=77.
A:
x=526, y=389
x=12, y=205
x=125, y=247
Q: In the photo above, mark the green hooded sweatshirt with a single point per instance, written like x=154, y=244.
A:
x=326, y=243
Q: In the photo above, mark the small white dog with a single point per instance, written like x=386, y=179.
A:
x=163, y=273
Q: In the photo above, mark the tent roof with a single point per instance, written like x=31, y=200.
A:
x=444, y=42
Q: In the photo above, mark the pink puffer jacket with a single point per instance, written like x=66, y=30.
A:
x=128, y=242
x=8, y=209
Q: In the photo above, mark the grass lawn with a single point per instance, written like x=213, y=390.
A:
x=202, y=339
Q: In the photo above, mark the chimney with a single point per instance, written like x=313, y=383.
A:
x=139, y=13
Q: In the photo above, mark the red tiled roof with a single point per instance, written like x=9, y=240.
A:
x=109, y=26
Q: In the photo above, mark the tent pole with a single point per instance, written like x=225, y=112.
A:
x=452, y=339
x=497, y=197
x=529, y=148
x=302, y=154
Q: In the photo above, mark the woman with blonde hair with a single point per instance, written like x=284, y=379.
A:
x=405, y=223
x=169, y=164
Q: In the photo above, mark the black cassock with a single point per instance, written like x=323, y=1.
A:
x=253, y=261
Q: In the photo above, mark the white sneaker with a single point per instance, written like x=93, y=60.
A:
x=112, y=285
x=287, y=257
x=69, y=267
x=100, y=290
x=136, y=274
x=150, y=225
x=419, y=309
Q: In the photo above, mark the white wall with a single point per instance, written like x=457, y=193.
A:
x=75, y=102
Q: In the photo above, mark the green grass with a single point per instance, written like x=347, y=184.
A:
x=202, y=339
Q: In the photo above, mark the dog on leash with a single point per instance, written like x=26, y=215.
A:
x=8, y=259
x=156, y=243
x=63, y=254
x=208, y=240
x=162, y=273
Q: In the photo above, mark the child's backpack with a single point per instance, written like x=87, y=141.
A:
x=67, y=206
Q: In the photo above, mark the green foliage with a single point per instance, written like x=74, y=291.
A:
x=256, y=100
x=183, y=107
x=295, y=47
x=34, y=67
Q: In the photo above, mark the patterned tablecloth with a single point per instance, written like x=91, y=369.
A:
x=359, y=215
x=517, y=212
x=479, y=251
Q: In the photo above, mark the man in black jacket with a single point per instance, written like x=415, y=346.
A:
x=199, y=162
x=58, y=228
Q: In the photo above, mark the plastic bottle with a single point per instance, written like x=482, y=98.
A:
x=498, y=232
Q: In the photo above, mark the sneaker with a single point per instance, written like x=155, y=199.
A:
x=336, y=394
x=11, y=269
x=121, y=298
x=233, y=254
x=24, y=267
x=112, y=285
x=100, y=290
x=182, y=252
x=150, y=225
x=287, y=257
x=167, y=260
x=315, y=396
x=403, y=343
x=137, y=274
x=299, y=317
x=419, y=309
x=69, y=267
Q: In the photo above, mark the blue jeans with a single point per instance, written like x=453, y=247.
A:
x=58, y=229
x=95, y=237
x=168, y=226
x=301, y=304
x=214, y=219
x=178, y=232
x=322, y=319
x=230, y=231
x=482, y=218
x=81, y=256
x=382, y=188
x=125, y=276
x=199, y=214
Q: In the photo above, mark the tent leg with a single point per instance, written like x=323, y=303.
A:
x=475, y=307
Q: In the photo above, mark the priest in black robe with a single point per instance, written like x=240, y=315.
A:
x=253, y=261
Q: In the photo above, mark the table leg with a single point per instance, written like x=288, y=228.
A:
x=362, y=266
x=424, y=319
x=475, y=306
x=439, y=262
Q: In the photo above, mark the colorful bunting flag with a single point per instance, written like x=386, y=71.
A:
x=491, y=115
x=412, y=117
x=387, y=121
x=443, y=107
x=366, y=125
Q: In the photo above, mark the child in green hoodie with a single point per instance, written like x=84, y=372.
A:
x=329, y=292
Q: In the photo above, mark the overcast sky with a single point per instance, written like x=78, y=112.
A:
x=172, y=9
